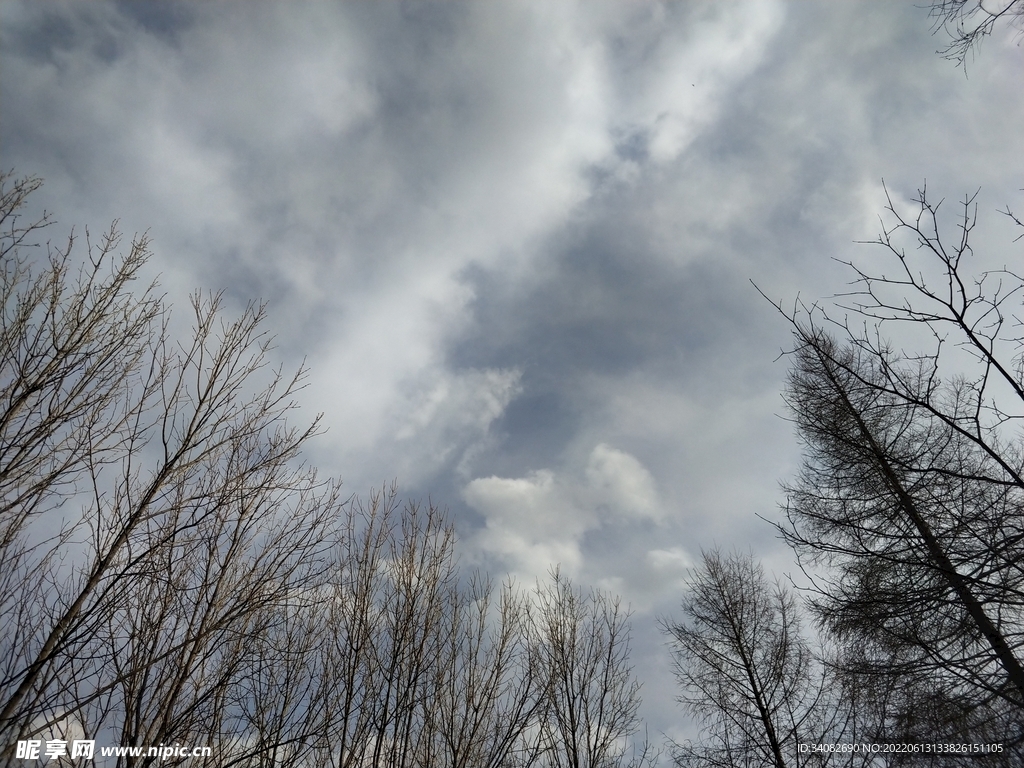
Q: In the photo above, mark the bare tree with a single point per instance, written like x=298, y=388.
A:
x=748, y=674
x=72, y=384
x=909, y=505
x=420, y=577
x=591, y=695
x=488, y=691
x=173, y=572
x=71, y=343
x=968, y=22
x=183, y=516
x=272, y=712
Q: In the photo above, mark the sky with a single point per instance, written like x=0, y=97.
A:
x=516, y=243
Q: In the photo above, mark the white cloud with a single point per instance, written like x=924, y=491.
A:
x=694, y=68
x=541, y=520
x=531, y=524
x=671, y=561
x=622, y=483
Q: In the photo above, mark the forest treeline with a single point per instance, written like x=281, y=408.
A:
x=172, y=573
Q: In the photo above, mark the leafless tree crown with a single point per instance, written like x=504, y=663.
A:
x=172, y=572
x=908, y=509
x=968, y=22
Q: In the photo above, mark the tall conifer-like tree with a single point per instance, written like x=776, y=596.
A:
x=909, y=509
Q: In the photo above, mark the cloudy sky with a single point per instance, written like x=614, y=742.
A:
x=515, y=241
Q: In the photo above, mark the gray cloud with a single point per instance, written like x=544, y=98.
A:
x=514, y=241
